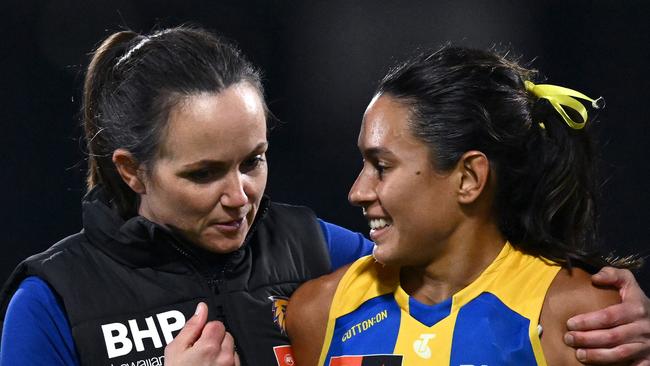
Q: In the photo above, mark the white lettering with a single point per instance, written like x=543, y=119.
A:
x=112, y=340
x=149, y=332
x=170, y=321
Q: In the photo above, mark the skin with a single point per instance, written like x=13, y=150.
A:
x=204, y=183
x=452, y=223
x=235, y=184
x=618, y=332
x=202, y=343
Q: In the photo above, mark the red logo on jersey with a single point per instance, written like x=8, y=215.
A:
x=283, y=355
x=367, y=360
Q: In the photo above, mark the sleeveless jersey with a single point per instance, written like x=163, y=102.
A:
x=493, y=321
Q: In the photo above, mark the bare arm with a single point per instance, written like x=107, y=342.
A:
x=307, y=315
x=619, y=332
x=570, y=293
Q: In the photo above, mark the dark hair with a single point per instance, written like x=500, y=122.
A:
x=131, y=85
x=464, y=99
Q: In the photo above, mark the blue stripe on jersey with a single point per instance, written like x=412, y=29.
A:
x=371, y=329
x=487, y=332
x=429, y=314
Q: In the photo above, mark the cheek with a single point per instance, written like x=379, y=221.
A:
x=257, y=185
x=186, y=203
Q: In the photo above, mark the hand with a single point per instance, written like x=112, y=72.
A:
x=617, y=333
x=200, y=343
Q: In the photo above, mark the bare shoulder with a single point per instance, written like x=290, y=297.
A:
x=307, y=315
x=571, y=293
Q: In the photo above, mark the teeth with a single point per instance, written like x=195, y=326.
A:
x=378, y=223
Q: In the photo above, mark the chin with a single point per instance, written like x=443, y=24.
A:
x=223, y=247
x=380, y=255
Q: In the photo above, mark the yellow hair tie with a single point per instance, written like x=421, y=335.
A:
x=561, y=97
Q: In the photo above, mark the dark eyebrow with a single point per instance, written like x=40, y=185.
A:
x=374, y=152
x=205, y=163
x=215, y=164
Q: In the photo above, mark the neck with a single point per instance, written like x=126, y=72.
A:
x=468, y=252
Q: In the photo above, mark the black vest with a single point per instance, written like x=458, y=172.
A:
x=128, y=287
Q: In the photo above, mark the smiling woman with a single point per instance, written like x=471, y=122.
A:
x=181, y=253
x=480, y=198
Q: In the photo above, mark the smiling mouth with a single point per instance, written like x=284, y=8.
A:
x=378, y=226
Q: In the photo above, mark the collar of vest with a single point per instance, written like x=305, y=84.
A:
x=138, y=242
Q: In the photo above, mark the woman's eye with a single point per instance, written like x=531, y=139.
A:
x=381, y=169
x=200, y=176
x=252, y=163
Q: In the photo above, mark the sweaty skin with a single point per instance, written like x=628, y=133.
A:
x=452, y=222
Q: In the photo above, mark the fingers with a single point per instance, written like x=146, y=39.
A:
x=605, y=338
x=238, y=361
x=192, y=329
x=619, y=278
x=217, y=345
x=617, y=333
x=602, y=356
x=212, y=336
x=227, y=354
x=608, y=317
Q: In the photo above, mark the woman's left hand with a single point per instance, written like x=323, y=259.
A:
x=617, y=333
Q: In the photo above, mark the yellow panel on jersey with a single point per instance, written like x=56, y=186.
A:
x=492, y=321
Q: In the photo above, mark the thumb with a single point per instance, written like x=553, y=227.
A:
x=622, y=279
x=193, y=328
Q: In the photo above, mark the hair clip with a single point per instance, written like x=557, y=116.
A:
x=561, y=97
x=142, y=42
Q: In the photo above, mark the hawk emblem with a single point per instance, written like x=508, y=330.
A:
x=279, y=309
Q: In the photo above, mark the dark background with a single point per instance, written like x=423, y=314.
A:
x=322, y=60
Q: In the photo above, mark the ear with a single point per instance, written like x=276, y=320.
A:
x=128, y=168
x=474, y=168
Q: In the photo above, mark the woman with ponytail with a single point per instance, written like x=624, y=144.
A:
x=479, y=190
x=182, y=259
x=176, y=226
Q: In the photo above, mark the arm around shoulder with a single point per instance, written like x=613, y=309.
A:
x=307, y=316
x=571, y=293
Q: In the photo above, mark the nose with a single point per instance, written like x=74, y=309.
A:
x=234, y=193
x=363, y=192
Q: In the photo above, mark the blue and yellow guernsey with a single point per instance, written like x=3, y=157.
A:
x=493, y=321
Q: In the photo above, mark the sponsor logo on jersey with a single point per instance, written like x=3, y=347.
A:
x=279, y=309
x=364, y=325
x=284, y=355
x=122, y=338
x=367, y=360
x=421, y=346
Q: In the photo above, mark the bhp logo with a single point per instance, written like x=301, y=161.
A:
x=120, y=338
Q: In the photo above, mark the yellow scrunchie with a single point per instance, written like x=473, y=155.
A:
x=561, y=97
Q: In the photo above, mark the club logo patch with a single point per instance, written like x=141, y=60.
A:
x=279, y=309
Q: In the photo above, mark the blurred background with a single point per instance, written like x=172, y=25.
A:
x=321, y=61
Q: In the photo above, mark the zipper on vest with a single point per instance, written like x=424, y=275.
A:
x=217, y=282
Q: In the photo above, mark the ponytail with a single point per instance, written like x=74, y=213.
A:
x=131, y=85
x=99, y=77
x=541, y=153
